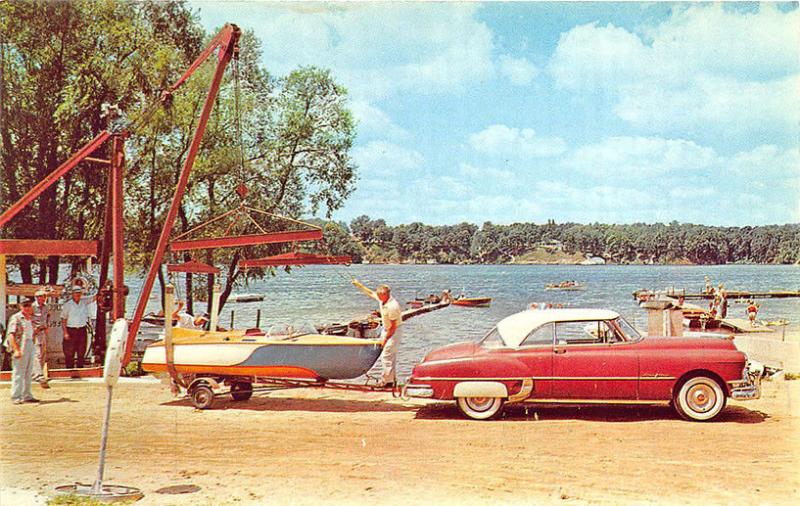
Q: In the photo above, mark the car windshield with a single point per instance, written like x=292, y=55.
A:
x=630, y=333
x=492, y=340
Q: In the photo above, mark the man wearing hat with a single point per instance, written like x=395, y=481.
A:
x=74, y=319
x=40, y=324
x=19, y=342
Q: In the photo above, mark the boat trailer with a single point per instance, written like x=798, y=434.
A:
x=202, y=390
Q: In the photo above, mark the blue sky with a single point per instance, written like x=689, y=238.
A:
x=585, y=112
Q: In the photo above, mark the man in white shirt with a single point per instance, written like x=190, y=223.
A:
x=74, y=319
x=40, y=322
x=19, y=341
x=185, y=320
x=392, y=319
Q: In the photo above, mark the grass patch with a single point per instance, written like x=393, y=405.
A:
x=80, y=500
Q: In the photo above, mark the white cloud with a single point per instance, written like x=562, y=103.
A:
x=519, y=71
x=511, y=142
x=705, y=68
x=376, y=49
x=484, y=174
x=641, y=157
x=767, y=161
x=382, y=158
x=374, y=123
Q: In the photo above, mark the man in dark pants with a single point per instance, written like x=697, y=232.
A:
x=74, y=319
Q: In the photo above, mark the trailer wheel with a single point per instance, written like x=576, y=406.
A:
x=202, y=397
x=241, y=391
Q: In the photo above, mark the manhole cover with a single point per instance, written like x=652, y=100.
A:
x=107, y=493
x=178, y=489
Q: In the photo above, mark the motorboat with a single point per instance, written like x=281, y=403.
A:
x=472, y=301
x=289, y=354
x=570, y=286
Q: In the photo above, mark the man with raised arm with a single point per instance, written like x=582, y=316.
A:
x=392, y=319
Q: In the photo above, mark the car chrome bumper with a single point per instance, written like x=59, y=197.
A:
x=424, y=391
x=749, y=387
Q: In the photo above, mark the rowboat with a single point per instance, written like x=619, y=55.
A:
x=247, y=297
x=472, y=301
x=237, y=353
x=565, y=287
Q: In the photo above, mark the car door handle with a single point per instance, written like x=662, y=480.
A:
x=559, y=351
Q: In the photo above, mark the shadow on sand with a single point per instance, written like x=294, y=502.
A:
x=317, y=404
x=594, y=413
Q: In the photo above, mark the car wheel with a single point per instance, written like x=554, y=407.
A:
x=202, y=397
x=480, y=408
x=699, y=398
x=241, y=391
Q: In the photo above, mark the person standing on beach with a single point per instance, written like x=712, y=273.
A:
x=74, y=319
x=40, y=322
x=392, y=318
x=19, y=341
x=752, y=312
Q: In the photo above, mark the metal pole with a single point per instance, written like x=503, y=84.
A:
x=117, y=171
x=227, y=44
x=231, y=318
x=258, y=318
x=97, y=488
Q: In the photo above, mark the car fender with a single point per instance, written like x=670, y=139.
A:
x=480, y=389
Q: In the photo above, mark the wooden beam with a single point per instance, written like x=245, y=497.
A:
x=247, y=240
x=46, y=247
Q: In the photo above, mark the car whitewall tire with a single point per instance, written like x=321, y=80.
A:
x=480, y=408
x=700, y=399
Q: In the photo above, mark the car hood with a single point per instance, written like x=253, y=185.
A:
x=696, y=343
x=458, y=350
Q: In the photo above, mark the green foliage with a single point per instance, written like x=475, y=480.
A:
x=637, y=243
x=289, y=143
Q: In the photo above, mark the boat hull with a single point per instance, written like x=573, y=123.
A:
x=302, y=357
x=472, y=302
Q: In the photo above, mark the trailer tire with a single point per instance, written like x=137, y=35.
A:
x=241, y=391
x=202, y=397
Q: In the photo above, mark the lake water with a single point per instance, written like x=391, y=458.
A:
x=321, y=294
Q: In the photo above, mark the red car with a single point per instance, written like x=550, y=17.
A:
x=585, y=356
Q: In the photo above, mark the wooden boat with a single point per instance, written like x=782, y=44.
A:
x=472, y=301
x=237, y=353
x=247, y=297
x=574, y=287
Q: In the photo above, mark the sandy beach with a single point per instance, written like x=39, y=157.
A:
x=312, y=446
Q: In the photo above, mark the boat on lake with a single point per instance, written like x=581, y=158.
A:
x=472, y=301
x=566, y=286
x=292, y=355
x=247, y=297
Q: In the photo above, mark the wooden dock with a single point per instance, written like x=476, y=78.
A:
x=427, y=308
x=731, y=294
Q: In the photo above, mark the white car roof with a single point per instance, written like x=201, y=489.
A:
x=515, y=328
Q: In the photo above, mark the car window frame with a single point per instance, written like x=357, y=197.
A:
x=604, y=343
x=532, y=346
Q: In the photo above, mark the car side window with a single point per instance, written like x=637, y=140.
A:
x=586, y=332
x=542, y=336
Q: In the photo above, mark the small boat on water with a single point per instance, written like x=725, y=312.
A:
x=247, y=297
x=566, y=286
x=239, y=353
x=472, y=301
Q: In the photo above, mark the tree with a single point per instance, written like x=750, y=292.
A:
x=59, y=62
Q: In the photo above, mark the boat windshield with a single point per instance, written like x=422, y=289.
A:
x=291, y=329
x=492, y=340
x=628, y=330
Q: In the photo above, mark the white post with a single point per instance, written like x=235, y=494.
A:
x=169, y=350
x=214, y=308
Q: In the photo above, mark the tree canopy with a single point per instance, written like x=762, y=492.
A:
x=287, y=138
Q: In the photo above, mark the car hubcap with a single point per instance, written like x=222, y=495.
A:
x=480, y=403
x=701, y=398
